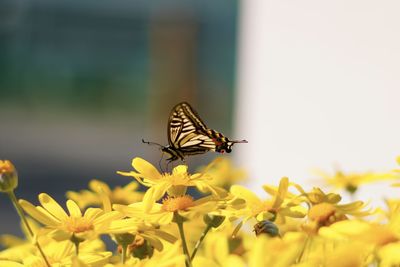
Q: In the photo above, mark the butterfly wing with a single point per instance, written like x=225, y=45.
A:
x=187, y=133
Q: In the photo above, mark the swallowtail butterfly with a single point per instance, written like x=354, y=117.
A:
x=188, y=135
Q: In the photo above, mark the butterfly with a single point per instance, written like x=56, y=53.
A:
x=188, y=135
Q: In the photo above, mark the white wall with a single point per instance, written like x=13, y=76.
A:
x=318, y=85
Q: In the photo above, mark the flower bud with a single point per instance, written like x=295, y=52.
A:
x=266, y=227
x=8, y=176
x=213, y=220
x=124, y=239
x=141, y=248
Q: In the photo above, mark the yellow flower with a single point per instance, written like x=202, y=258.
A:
x=282, y=204
x=174, y=183
x=61, y=226
x=218, y=252
x=352, y=181
x=276, y=252
x=152, y=234
x=224, y=173
x=18, y=248
x=343, y=255
x=325, y=210
x=62, y=254
x=163, y=214
x=119, y=195
x=389, y=255
x=368, y=233
x=7, y=263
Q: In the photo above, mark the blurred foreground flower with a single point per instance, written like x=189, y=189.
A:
x=169, y=226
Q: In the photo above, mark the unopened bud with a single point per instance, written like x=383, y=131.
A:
x=213, y=220
x=124, y=239
x=8, y=176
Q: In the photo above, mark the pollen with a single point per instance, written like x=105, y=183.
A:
x=177, y=203
x=78, y=225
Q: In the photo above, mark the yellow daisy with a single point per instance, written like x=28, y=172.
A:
x=276, y=251
x=325, y=209
x=282, y=204
x=163, y=214
x=352, y=181
x=174, y=183
x=61, y=226
x=63, y=253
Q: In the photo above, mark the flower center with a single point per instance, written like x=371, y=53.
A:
x=177, y=203
x=78, y=225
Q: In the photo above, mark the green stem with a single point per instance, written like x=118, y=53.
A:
x=203, y=235
x=21, y=214
x=300, y=258
x=123, y=254
x=179, y=222
x=76, y=241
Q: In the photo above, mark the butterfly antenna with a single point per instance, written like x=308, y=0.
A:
x=239, y=141
x=151, y=143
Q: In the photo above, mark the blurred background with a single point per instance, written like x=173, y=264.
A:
x=307, y=83
x=83, y=82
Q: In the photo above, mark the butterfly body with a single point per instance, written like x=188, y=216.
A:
x=188, y=135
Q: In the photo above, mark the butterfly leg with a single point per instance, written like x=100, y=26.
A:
x=159, y=163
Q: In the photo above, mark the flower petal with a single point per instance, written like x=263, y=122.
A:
x=153, y=194
x=282, y=190
x=108, y=217
x=99, y=186
x=52, y=206
x=59, y=235
x=146, y=169
x=124, y=226
x=156, y=243
x=180, y=169
x=206, y=187
x=92, y=213
x=41, y=216
x=10, y=263
x=251, y=199
x=73, y=209
x=165, y=235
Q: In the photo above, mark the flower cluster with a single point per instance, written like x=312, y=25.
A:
x=187, y=219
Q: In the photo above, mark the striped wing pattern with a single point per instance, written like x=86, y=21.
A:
x=187, y=132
